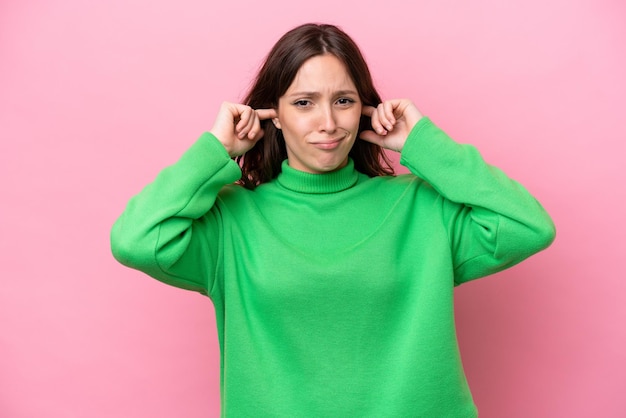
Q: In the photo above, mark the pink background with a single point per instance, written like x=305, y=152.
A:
x=96, y=97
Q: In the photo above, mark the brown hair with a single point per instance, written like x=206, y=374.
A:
x=263, y=162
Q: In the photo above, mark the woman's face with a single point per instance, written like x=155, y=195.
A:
x=319, y=115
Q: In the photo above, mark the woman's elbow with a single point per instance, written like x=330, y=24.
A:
x=128, y=249
x=545, y=234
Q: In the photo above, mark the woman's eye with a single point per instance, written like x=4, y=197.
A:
x=302, y=103
x=345, y=101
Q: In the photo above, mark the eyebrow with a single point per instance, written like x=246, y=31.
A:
x=317, y=94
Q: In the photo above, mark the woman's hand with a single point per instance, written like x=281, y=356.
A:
x=238, y=127
x=392, y=121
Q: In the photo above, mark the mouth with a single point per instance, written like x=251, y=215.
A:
x=328, y=144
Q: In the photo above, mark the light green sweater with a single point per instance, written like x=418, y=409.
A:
x=333, y=293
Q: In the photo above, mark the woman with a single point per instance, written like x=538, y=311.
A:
x=332, y=280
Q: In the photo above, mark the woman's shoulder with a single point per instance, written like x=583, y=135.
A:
x=234, y=192
x=395, y=181
x=403, y=185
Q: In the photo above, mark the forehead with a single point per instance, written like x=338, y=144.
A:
x=322, y=73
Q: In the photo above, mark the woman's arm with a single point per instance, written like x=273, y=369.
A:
x=168, y=230
x=171, y=229
x=492, y=221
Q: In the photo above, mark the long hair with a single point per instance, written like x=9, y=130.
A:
x=263, y=162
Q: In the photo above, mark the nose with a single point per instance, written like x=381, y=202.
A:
x=328, y=121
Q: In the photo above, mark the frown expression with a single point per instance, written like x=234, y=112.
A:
x=319, y=115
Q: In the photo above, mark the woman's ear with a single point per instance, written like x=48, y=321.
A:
x=276, y=123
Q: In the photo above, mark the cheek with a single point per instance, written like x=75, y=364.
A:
x=296, y=124
x=352, y=120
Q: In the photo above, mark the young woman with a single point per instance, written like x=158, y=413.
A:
x=332, y=279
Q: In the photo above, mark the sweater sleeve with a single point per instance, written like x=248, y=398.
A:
x=170, y=230
x=492, y=221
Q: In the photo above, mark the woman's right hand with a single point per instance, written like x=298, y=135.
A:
x=238, y=126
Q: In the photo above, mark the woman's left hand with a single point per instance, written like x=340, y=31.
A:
x=392, y=121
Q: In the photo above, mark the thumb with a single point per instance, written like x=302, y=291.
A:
x=373, y=137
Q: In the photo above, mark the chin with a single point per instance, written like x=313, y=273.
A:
x=330, y=166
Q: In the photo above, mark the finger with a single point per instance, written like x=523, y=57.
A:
x=368, y=111
x=377, y=125
x=388, y=108
x=382, y=118
x=385, y=115
x=258, y=135
x=255, y=127
x=237, y=114
x=264, y=114
x=245, y=121
x=252, y=119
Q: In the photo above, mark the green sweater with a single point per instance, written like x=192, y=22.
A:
x=333, y=293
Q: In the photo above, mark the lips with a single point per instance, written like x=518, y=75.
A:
x=327, y=144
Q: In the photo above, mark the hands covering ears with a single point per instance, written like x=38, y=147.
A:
x=238, y=126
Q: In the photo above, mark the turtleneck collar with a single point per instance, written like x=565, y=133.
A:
x=303, y=182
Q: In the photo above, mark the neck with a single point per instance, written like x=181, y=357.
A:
x=303, y=182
